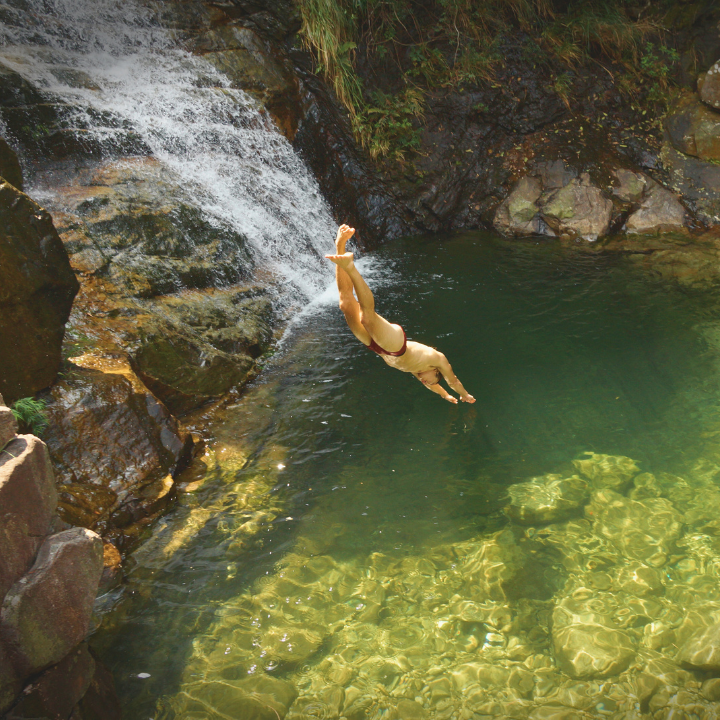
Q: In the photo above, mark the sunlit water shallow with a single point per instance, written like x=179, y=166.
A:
x=349, y=538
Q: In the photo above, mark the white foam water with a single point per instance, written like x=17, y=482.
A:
x=234, y=163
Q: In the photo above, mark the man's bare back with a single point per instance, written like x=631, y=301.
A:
x=387, y=339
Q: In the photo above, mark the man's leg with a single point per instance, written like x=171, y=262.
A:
x=348, y=304
x=390, y=337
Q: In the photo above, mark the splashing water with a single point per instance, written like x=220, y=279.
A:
x=237, y=168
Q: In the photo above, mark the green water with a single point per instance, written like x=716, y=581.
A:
x=351, y=557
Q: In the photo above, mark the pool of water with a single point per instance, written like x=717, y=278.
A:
x=348, y=555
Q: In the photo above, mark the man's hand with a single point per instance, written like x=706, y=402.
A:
x=450, y=399
x=345, y=261
x=467, y=398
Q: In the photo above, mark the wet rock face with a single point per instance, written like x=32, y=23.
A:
x=47, y=128
x=519, y=213
x=698, y=181
x=110, y=482
x=546, y=499
x=10, y=166
x=129, y=222
x=694, y=129
x=47, y=612
x=256, y=66
x=348, y=180
x=37, y=287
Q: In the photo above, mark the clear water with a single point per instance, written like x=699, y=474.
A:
x=228, y=157
x=357, y=478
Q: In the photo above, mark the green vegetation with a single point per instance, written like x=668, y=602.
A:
x=410, y=48
x=30, y=415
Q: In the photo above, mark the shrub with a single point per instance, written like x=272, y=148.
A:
x=30, y=415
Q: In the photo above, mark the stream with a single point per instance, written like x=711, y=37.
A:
x=333, y=541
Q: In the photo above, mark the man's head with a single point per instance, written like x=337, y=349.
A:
x=429, y=377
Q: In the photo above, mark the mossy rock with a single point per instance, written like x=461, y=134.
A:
x=37, y=287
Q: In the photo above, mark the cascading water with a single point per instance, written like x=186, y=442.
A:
x=235, y=166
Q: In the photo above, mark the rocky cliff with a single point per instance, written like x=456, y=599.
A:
x=49, y=575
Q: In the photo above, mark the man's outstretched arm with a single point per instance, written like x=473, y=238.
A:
x=441, y=391
x=452, y=381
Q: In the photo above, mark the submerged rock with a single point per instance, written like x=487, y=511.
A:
x=703, y=650
x=590, y=649
x=256, y=698
x=546, y=499
x=644, y=530
x=47, y=612
x=607, y=471
x=37, y=287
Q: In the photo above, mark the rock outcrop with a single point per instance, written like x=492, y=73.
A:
x=48, y=581
x=104, y=482
x=694, y=129
x=37, y=287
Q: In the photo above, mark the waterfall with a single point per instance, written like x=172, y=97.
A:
x=233, y=163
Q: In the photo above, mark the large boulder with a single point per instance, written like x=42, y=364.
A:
x=546, y=499
x=37, y=287
x=580, y=209
x=10, y=681
x=694, y=129
x=103, y=480
x=710, y=86
x=655, y=209
x=518, y=214
x=10, y=166
x=47, y=612
x=58, y=690
x=27, y=506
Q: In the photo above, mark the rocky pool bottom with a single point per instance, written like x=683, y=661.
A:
x=366, y=551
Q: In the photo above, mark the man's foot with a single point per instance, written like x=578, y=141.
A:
x=344, y=233
x=345, y=260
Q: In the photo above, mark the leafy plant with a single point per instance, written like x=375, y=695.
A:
x=30, y=415
x=387, y=126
